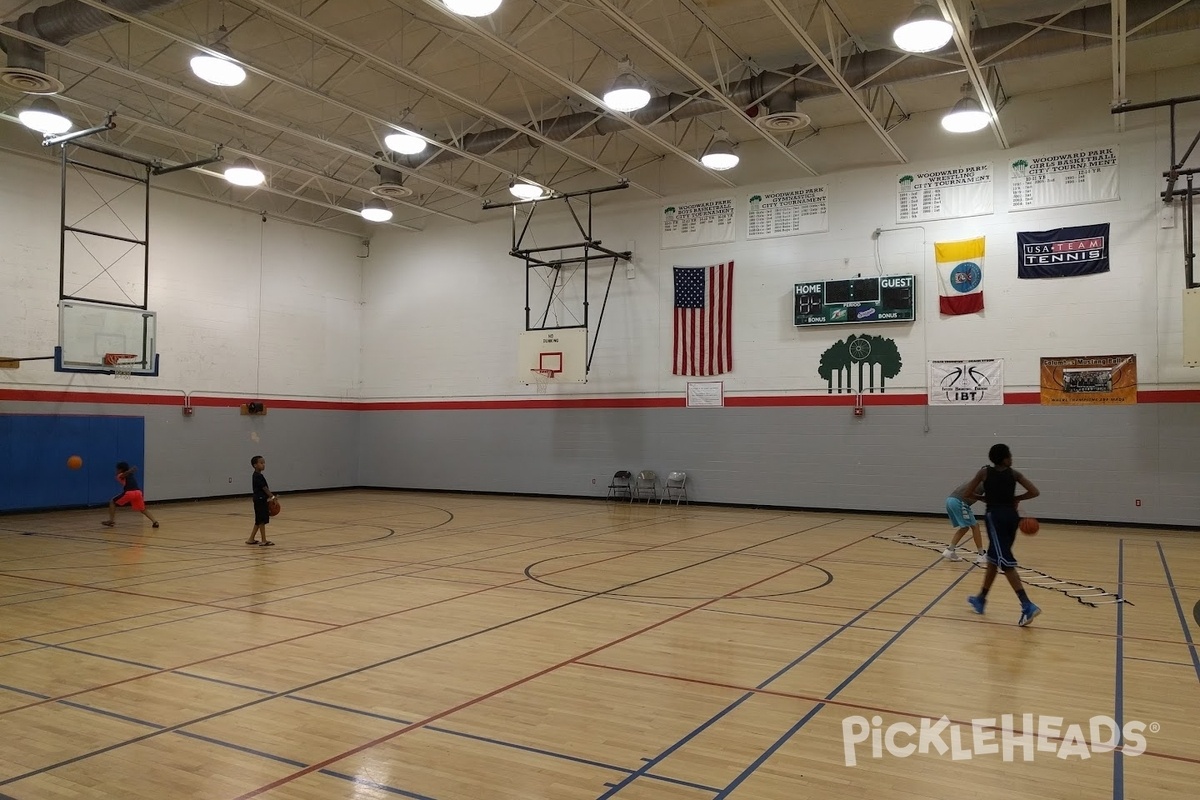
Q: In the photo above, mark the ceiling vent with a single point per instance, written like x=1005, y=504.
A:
x=391, y=183
x=782, y=114
x=26, y=70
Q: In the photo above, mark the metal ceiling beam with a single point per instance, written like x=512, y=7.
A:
x=228, y=109
x=680, y=66
x=165, y=32
x=516, y=56
x=834, y=74
x=962, y=40
x=1119, y=25
x=413, y=79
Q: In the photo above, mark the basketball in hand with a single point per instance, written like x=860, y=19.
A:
x=1029, y=526
x=273, y=507
x=74, y=462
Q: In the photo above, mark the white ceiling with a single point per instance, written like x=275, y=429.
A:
x=328, y=78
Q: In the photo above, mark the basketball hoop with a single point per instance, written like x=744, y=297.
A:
x=542, y=378
x=121, y=364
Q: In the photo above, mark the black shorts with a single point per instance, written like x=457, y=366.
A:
x=262, y=514
x=1002, y=523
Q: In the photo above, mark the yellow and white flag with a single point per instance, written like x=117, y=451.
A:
x=960, y=275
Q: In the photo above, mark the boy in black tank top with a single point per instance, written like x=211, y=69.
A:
x=999, y=484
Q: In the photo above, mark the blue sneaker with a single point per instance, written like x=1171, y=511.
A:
x=977, y=603
x=1028, y=612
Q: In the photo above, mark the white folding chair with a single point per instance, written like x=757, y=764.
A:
x=675, y=488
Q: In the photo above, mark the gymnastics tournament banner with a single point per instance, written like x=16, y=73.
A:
x=1089, y=381
x=1063, y=252
x=1064, y=179
x=691, y=224
x=974, y=382
x=944, y=194
x=788, y=213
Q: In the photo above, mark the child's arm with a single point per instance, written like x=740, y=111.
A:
x=1031, y=491
x=971, y=493
x=270, y=494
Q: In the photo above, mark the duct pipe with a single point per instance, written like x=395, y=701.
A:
x=886, y=66
x=60, y=23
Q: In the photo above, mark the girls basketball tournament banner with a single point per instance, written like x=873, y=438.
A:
x=1064, y=179
x=1089, y=381
x=944, y=194
x=703, y=329
x=691, y=224
x=960, y=276
x=974, y=382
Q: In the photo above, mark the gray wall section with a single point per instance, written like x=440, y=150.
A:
x=208, y=454
x=1091, y=463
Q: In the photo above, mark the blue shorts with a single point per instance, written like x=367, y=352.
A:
x=1002, y=532
x=960, y=513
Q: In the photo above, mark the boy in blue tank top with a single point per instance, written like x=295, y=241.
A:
x=999, y=484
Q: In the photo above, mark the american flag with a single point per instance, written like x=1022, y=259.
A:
x=703, y=320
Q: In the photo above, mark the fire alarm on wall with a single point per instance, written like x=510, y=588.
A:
x=859, y=411
x=254, y=409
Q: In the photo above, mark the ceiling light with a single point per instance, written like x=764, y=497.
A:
x=627, y=92
x=376, y=211
x=527, y=190
x=405, y=143
x=243, y=173
x=219, y=70
x=967, y=116
x=924, y=31
x=472, y=8
x=719, y=155
x=43, y=116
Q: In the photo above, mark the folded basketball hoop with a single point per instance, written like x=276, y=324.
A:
x=121, y=364
x=542, y=378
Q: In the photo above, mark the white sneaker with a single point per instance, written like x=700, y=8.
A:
x=951, y=554
x=981, y=558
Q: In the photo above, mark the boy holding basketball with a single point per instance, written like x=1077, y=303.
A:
x=999, y=483
x=263, y=497
x=958, y=508
x=131, y=495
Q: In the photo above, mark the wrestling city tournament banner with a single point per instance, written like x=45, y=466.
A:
x=690, y=224
x=1089, y=381
x=973, y=382
x=944, y=193
x=1064, y=179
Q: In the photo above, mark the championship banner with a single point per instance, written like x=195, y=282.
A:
x=788, y=213
x=1089, y=381
x=975, y=382
x=1063, y=252
x=944, y=194
x=690, y=224
x=1065, y=179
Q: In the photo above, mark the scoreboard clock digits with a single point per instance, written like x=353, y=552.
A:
x=886, y=298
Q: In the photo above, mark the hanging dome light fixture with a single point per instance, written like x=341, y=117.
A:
x=242, y=172
x=375, y=211
x=44, y=117
x=719, y=154
x=924, y=31
x=524, y=189
x=627, y=93
x=967, y=115
x=472, y=8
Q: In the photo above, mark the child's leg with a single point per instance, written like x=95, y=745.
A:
x=988, y=577
x=150, y=517
x=958, y=535
x=254, y=533
x=112, y=512
x=978, y=539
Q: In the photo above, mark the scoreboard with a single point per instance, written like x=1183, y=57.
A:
x=882, y=298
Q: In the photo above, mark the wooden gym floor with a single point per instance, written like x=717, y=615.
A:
x=467, y=647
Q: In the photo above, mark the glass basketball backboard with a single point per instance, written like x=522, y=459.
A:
x=88, y=332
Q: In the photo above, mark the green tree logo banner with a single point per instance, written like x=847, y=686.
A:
x=865, y=358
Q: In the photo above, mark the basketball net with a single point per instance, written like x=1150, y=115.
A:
x=542, y=378
x=121, y=363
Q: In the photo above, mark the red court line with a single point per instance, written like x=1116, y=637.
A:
x=521, y=681
x=844, y=703
x=334, y=627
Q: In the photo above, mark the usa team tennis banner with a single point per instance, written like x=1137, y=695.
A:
x=690, y=224
x=1063, y=252
x=1065, y=179
x=703, y=320
x=944, y=194
x=975, y=382
x=1089, y=381
x=960, y=276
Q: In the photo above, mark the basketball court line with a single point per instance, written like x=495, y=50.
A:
x=1119, y=691
x=386, y=615
x=1187, y=631
x=394, y=659
x=520, y=682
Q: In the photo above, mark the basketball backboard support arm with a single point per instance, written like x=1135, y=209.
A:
x=586, y=251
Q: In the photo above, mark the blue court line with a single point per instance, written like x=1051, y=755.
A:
x=652, y=762
x=1119, y=692
x=1158, y=661
x=373, y=785
x=93, y=655
x=1187, y=631
x=758, y=762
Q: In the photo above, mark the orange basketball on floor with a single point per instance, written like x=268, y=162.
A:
x=74, y=462
x=1029, y=525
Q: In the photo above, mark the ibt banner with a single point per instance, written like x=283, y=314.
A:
x=972, y=382
x=1063, y=252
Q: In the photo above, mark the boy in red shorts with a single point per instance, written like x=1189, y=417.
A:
x=131, y=495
